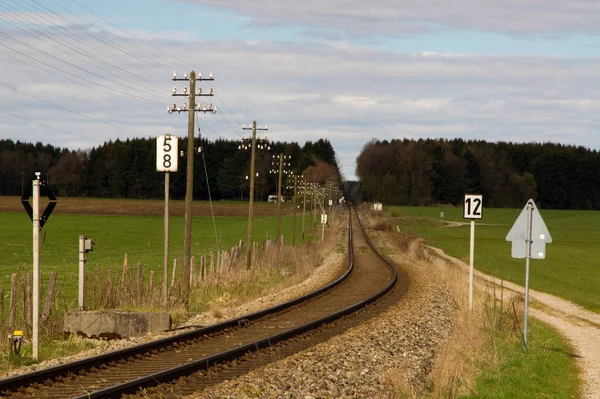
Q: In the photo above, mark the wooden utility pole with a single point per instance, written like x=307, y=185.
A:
x=294, y=205
x=314, y=204
x=251, y=200
x=303, y=209
x=189, y=191
x=191, y=109
x=279, y=196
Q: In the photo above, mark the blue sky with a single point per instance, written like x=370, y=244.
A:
x=79, y=72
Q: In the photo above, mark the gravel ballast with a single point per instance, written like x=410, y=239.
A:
x=397, y=347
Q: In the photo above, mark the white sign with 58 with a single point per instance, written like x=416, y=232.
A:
x=167, y=148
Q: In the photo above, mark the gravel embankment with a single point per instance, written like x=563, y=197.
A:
x=397, y=347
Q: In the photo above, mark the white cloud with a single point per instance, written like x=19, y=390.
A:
x=345, y=92
x=400, y=17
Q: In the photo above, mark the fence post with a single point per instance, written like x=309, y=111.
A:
x=151, y=287
x=49, y=297
x=174, y=272
x=140, y=286
x=28, y=308
x=14, y=284
x=125, y=271
x=109, y=299
x=203, y=267
x=193, y=277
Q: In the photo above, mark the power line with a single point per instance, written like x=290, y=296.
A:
x=132, y=96
x=67, y=62
x=67, y=109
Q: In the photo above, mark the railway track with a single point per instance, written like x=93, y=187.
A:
x=194, y=360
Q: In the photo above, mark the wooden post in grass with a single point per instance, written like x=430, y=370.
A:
x=203, y=268
x=139, y=281
x=151, y=286
x=174, y=272
x=49, y=297
x=14, y=285
x=109, y=287
x=212, y=264
x=125, y=271
x=28, y=308
x=193, y=277
x=2, y=308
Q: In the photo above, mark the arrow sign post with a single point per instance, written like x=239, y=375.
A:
x=529, y=236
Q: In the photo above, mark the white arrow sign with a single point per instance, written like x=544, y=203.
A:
x=529, y=236
x=539, y=234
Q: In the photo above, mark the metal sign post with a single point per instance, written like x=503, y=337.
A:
x=85, y=245
x=167, y=148
x=527, y=257
x=38, y=224
x=36, y=267
x=82, y=272
x=528, y=236
x=473, y=209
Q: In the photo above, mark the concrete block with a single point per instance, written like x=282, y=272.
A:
x=115, y=324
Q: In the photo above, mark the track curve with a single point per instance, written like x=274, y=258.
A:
x=368, y=277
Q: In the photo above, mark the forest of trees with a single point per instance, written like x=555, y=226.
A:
x=432, y=171
x=127, y=169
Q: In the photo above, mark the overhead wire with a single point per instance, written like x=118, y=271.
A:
x=224, y=121
x=73, y=75
x=46, y=126
x=212, y=211
x=148, y=64
x=33, y=23
x=68, y=110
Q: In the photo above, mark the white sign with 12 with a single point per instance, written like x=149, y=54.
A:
x=167, y=148
x=473, y=208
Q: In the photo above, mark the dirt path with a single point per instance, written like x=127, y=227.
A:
x=581, y=327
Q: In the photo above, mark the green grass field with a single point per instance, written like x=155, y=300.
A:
x=141, y=237
x=571, y=267
x=546, y=370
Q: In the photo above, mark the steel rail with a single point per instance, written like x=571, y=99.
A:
x=205, y=363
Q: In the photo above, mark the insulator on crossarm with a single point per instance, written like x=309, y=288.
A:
x=175, y=75
x=185, y=75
